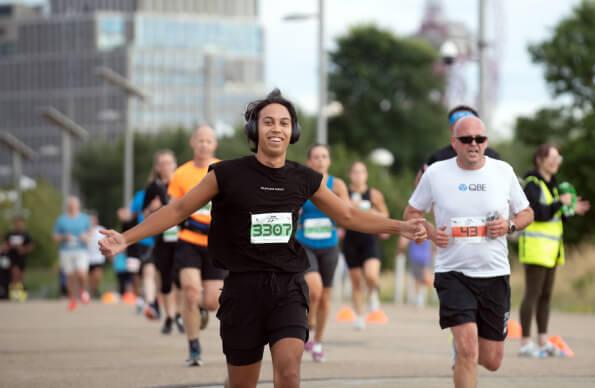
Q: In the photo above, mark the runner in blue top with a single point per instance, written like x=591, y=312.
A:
x=318, y=234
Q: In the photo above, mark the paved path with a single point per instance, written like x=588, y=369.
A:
x=42, y=345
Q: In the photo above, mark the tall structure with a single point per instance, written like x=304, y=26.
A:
x=188, y=55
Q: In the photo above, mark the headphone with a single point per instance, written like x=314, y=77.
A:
x=251, y=128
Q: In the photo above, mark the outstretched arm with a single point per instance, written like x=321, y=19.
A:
x=367, y=222
x=166, y=217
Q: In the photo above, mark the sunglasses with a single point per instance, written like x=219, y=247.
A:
x=469, y=139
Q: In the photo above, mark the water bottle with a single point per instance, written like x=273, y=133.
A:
x=567, y=188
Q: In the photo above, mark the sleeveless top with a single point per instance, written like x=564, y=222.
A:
x=365, y=204
x=316, y=230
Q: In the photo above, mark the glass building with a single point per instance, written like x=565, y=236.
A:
x=198, y=60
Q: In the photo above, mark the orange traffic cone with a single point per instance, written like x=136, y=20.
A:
x=129, y=297
x=377, y=317
x=559, y=343
x=345, y=315
x=514, y=329
x=109, y=298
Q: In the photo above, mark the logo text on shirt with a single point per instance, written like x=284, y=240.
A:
x=473, y=187
x=272, y=188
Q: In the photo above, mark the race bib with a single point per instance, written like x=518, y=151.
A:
x=364, y=204
x=205, y=210
x=16, y=240
x=318, y=228
x=469, y=229
x=271, y=228
x=171, y=235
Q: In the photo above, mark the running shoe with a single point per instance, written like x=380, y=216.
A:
x=549, y=350
x=309, y=345
x=529, y=350
x=317, y=353
x=194, y=359
x=72, y=305
x=204, y=318
x=140, y=305
x=179, y=323
x=360, y=323
x=151, y=312
x=85, y=297
x=167, y=326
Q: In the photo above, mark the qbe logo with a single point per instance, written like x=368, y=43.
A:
x=473, y=187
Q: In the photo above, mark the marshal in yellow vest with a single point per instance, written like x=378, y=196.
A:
x=541, y=242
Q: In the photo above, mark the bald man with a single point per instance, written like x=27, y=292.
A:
x=199, y=280
x=472, y=196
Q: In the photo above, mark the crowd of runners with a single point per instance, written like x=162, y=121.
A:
x=258, y=240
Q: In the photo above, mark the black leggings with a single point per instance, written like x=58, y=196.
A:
x=539, y=284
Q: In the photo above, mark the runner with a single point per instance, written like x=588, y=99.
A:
x=71, y=231
x=448, y=152
x=96, y=259
x=419, y=264
x=256, y=200
x=18, y=244
x=199, y=280
x=164, y=166
x=138, y=256
x=471, y=196
x=318, y=234
x=362, y=250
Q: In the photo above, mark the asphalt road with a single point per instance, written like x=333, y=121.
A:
x=43, y=345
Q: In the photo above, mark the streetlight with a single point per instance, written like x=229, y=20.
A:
x=120, y=81
x=70, y=130
x=19, y=152
x=321, y=125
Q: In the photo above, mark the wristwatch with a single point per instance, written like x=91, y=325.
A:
x=511, y=227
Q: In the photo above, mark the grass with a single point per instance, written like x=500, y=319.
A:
x=574, y=287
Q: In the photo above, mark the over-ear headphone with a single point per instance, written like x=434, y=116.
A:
x=251, y=127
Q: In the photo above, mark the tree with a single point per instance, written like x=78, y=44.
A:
x=390, y=94
x=568, y=58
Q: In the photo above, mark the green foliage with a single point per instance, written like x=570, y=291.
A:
x=390, y=95
x=547, y=125
x=569, y=56
x=99, y=168
x=42, y=206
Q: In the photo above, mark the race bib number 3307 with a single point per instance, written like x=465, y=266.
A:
x=271, y=228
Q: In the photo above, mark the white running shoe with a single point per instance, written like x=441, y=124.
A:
x=549, y=350
x=529, y=350
x=360, y=323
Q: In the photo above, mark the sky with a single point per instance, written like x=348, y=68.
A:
x=291, y=47
x=291, y=54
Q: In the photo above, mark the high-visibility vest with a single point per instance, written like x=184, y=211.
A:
x=541, y=242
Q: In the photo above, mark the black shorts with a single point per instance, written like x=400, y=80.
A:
x=93, y=267
x=193, y=256
x=163, y=256
x=18, y=261
x=484, y=301
x=358, y=250
x=324, y=261
x=259, y=308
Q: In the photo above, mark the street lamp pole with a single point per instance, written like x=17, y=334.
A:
x=19, y=152
x=321, y=125
x=120, y=81
x=482, y=44
x=70, y=130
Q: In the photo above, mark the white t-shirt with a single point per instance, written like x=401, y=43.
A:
x=95, y=256
x=461, y=201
